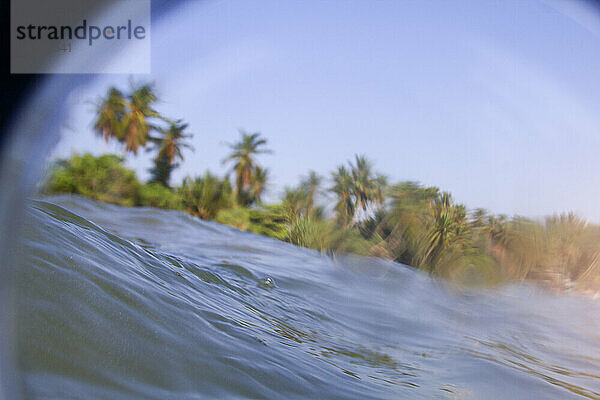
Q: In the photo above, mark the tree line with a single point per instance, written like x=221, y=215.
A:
x=416, y=225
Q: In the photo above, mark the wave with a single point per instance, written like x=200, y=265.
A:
x=128, y=303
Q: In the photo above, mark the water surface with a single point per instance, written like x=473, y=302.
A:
x=140, y=303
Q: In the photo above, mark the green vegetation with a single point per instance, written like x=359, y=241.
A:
x=250, y=178
x=130, y=119
x=205, y=197
x=102, y=178
x=357, y=189
x=415, y=225
x=153, y=194
x=127, y=118
x=169, y=150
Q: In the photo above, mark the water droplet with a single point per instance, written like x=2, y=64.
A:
x=267, y=282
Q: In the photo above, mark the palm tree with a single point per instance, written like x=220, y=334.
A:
x=310, y=186
x=137, y=125
x=299, y=202
x=110, y=114
x=496, y=229
x=257, y=187
x=367, y=187
x=244, y=164
x=169, y=147
x=293, y=202
x=448, y=228
x=478, y=218
x=161, y=171
x=343, y=188
x=404, y=225
x=357, y=189
x=127, y=118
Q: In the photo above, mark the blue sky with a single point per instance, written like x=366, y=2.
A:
x=495, y=101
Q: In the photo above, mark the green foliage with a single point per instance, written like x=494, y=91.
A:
x=474, y=268
x=426, y=229
x=310, y=232
x=204, y=197
x=161, y=171
x=300, y=202
x=257, y=187
x=268, y=221
x=357, y=189
x=447, y=228
x=130, y=118
x=103, y=178
x=169, y=149
x=306, y=226
x=127, y=118
x=237, y=217
x=562, y=248
x=404, y=226
x=110, y=115
x=349, y=240
x=345, y=207
x=250, y=179
x=154, y=194
x=415, y=225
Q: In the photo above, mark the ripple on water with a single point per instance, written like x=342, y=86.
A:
x=127, y=303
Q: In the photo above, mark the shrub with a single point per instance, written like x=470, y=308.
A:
x=103, y=178
x=267, y=221
x=238, y=218
x=154, y=194
x=204, y=197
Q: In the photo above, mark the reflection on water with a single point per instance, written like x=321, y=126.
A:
x=142, y=303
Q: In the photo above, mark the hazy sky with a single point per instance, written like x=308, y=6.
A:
x=497, y=102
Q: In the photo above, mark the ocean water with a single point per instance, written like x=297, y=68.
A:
x=139, y=303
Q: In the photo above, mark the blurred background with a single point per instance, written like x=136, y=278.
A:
x=432, y=164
